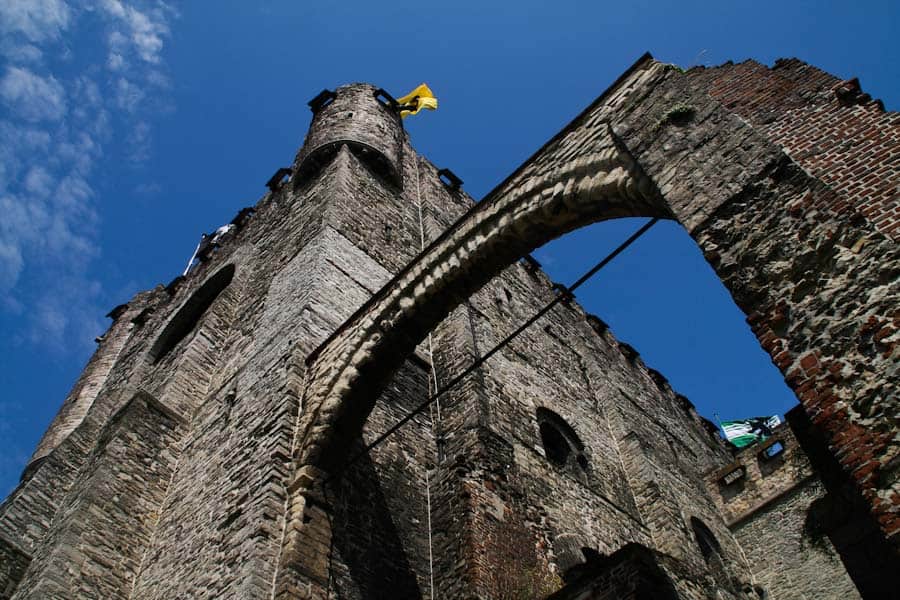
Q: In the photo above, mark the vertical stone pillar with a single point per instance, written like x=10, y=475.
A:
x=304, y=563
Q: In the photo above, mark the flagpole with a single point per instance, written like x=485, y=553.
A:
x=719, y=421
x=193, y=256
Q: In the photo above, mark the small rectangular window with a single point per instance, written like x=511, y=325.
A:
x=772, y=451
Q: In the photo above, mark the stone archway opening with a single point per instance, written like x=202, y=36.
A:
x=762, y=222
x=663, y=298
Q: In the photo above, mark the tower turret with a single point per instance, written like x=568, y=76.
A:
x=363, y=117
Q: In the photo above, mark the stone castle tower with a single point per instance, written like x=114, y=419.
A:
x=204, y=452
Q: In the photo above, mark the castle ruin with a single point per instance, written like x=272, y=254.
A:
x=215, y=444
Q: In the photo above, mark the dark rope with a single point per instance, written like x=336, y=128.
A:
x=564, y=295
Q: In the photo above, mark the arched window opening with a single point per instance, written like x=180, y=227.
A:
x=711, y=551
x=705, y=538
x=556, y=446
x=190, y=313
x=562, y=446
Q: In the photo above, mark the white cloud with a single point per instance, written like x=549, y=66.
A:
x=52, y=322
x=151, y=188
x=18, y=142
x=139, y=142
x=57, y=128
x=142, y=30
x=88, y=92
x=21, y=53
x=128, y=95
x=146, y=35
x=115, y=61
x=36, y=20
x=32, y=97
x=11, y=261
x=38, y=181
x=158, y=78
x=16, y=231
x=118, y=48
x=72, y=194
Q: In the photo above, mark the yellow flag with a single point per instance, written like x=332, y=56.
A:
x=416, y=100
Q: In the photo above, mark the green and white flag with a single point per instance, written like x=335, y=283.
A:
x=749, y=431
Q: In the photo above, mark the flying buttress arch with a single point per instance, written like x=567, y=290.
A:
x=604, y=183
x=658, y=146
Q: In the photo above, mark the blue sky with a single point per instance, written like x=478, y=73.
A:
x=129, y=127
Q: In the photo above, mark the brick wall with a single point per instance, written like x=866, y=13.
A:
x=834, y=130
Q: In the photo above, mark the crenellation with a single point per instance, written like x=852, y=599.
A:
x=215, y=445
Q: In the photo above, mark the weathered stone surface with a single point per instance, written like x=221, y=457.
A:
x=214, y=463
x=770, y=511
x=818, y=291
x=13, y=562
x=96, y=544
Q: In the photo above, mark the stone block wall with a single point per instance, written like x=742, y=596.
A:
x=787, y=560
x=13, y=562
x=770, y=510
x=187, y=459
x=762, y=478
x=241, y=443
x=97, y=541
x=638, y=435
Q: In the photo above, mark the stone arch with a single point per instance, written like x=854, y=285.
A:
x=637, y=151
x=603, y=183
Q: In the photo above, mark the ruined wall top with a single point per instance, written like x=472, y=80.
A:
x=831, y=127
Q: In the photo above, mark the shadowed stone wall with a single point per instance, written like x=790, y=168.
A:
x=13, y=562
x=362, y=285
x=769, y=507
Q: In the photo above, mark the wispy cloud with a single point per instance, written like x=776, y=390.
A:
x=144, y=31
x=58, y=116
x=34, y=20
x=148, y=189
x=129, y=95
x=32, y=97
